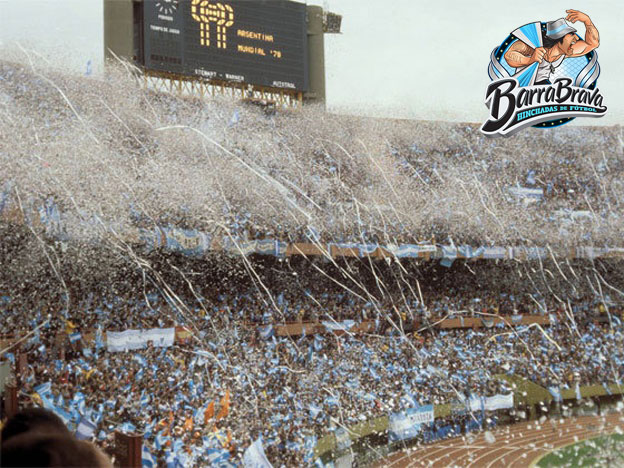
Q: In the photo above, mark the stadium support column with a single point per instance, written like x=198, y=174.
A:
x=119, y=29
x=316, y=55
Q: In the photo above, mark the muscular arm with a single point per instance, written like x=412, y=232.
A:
x=592, y=38
x=519, y=55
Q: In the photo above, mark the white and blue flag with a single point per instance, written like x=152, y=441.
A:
x=254, y=456
x=85, y=430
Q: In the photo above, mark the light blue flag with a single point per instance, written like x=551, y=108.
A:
x=99, y=342
x=160, y=440
x=140, y=359
x=198, y=415
x=332, y=401
x=217, y=455
x=127, y=427
x=79, y=401
x=314, y=411
x=254, y=456
x=308, y=446
x=64, y=415
x=318, y=343
x=75, y=337
x=44, y=389
x=35, y=339
x=148, y=429
x=170, y=459
x=447, y=262
x=555, y=392
x=177, y=446
x=85, y=429
x=266, y=332
x=147, y=461
x=48, y=402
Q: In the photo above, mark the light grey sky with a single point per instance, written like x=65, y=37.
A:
x=395, y=58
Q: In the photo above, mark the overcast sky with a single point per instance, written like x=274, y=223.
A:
x=400, y=58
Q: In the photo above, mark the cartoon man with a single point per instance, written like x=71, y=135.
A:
x=559, y=42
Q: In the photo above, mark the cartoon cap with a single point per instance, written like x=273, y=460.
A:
x=558, y=28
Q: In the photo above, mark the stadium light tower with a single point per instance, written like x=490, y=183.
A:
x=237, y=47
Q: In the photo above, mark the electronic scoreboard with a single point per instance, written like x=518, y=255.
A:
x=260, y=42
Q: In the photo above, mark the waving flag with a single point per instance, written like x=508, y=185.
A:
x=170, y=459
x=147, y=461
x=75, y=337
x=64, y=415
x=85, y=429
x=99, y=342
x=145, y=399
x=216, y=456
x=309, y=444
x=254, y=456
x=127, y=428
x=44, y=389
x=314, y=411
x=160, y=440
x=79, y=401
x=266, y=332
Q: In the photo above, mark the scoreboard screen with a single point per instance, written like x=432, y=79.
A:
x=261, y=42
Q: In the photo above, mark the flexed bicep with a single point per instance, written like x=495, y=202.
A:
x=592, y=37
x=579, y=48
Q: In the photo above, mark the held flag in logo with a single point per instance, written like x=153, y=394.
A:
x=529, y=34
x=544, y=75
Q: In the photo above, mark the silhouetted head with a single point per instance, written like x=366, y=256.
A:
x=34, y=420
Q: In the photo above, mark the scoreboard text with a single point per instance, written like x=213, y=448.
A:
x=262, y=42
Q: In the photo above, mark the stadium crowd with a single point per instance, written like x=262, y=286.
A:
x=234, y=381
x=325, y=178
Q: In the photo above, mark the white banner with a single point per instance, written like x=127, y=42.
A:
x=345, y=325
x=499, y=402
x=476, y=404
x=492, y=403
x=138, y=339
x=160, y=337
x=406, y=424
